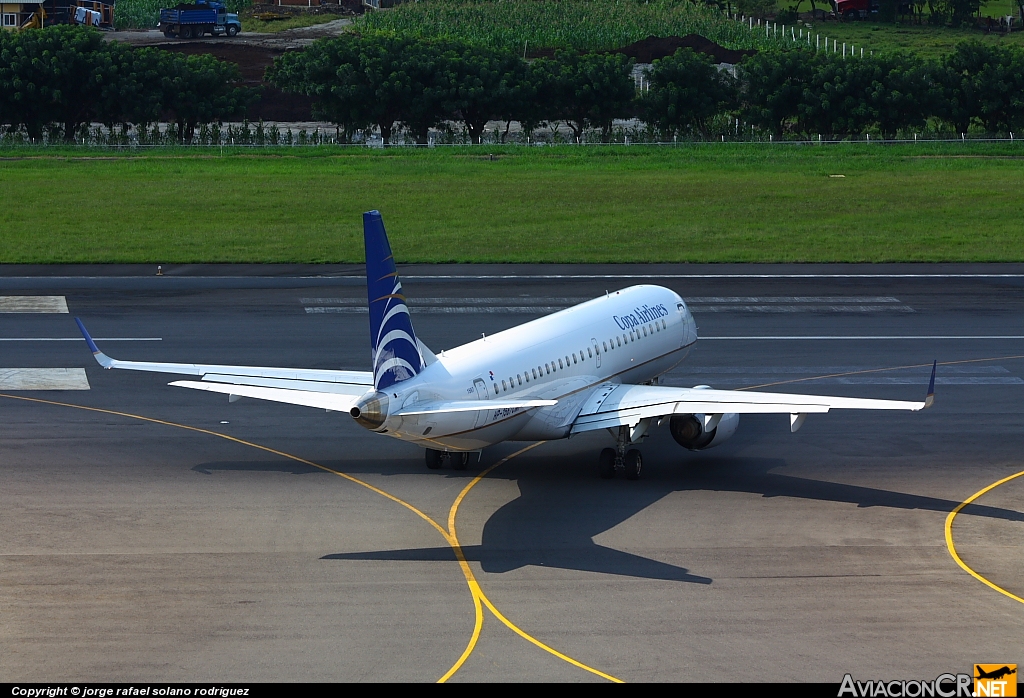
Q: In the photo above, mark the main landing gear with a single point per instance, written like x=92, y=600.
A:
x=435, y=459
x=629, y=461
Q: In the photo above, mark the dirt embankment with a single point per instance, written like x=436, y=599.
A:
x=655, y=48
x=253, y=61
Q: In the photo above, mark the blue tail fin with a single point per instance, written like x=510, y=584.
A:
x=395, y=351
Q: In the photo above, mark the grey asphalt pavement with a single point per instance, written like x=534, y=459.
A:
x=137, y=549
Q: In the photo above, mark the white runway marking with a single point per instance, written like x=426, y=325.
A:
x=851, y=308
x=43, y=379
x=454, y=301
x=80, y=339
x=33, y=304
x=786, y=338
x=698, y=305
x=747, y=375
x=452, y=310
x=512, y=277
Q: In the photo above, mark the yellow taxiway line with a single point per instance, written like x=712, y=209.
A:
x=952, y=548
x=479, y=598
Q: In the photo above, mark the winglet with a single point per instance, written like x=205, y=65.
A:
x=101, y=358
x=929, y=399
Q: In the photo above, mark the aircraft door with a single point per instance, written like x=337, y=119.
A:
x=597, y=351
x=481, y=394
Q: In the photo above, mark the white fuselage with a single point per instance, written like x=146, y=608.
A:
x=629, y=336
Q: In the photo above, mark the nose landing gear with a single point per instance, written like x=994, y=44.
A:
x=611, y=459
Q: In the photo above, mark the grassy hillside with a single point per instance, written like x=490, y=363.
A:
x=711, y=203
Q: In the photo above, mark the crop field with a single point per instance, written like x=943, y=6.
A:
x=709, y=203
x=579, y=24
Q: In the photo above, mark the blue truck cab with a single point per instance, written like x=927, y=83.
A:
x=193, y=21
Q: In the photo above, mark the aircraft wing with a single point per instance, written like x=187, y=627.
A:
x=626, y=405
x=331, y=390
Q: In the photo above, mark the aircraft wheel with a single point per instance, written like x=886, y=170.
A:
x=633, y=463
x=606, y=463
x=434, y=459
x=460, y=461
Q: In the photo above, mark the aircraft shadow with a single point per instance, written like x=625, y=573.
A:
x=753, y=476
x=563, y=507
x=594, y=558
x=282, y=466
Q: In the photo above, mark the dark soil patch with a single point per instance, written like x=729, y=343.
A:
x=252, y=62
x=655, y=48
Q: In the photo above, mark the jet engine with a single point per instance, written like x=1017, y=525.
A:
x=689, y=432
x=371, y=411
x=689, y=429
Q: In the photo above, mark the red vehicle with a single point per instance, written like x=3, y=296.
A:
x=855, y=9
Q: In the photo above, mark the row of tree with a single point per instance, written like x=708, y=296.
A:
x=71, y=77
x=386, y=82
x=815, y=93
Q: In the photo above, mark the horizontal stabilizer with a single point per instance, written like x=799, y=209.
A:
x=307, y=398
x=473, y=406
x=349, y=380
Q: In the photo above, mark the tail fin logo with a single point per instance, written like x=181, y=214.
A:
x=395, y=352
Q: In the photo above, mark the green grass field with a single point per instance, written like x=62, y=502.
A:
x=925, y=41
x=710, y=203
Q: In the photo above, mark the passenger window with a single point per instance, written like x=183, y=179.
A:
x=605, y=347
x=511, y=383
x=574, y=357
x=520, y=379
x=547, y=368
x=495, y=388
x=503, y=386
x=645, y=332
x=534, y=371
x=590, y=354
x=560, y=364
x=618, y=341
x=664, y=324
x=567, y=362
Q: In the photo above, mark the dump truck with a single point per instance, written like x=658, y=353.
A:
x=193, y=21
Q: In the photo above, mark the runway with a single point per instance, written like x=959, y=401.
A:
x=167, y=535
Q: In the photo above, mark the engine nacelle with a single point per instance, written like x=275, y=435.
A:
x=371, y=411
x=688, y=430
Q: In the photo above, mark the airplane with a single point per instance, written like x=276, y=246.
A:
x=996, y=674
x=591, y=367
